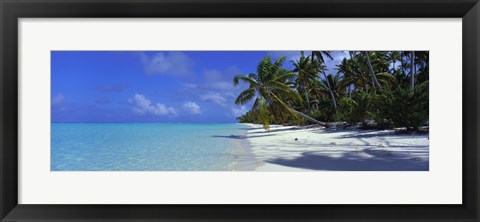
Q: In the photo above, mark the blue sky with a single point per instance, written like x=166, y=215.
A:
x=154, y=86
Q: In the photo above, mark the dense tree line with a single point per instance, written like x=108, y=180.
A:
x=381, y=89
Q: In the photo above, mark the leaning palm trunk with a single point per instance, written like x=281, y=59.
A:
x=349, y=90
x=309, y=118
x=331, y=92
x=412, y=75
x=306, y=96
x=374, y=77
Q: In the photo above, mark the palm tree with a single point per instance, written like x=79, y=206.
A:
x=332, y=84
x=412, y=72
x=319, y=55
x=307, y=73
x=359, y=106
x=356, y=72
x=352, y=54
x=346, y=68
x=272, y=87
x=374, y=78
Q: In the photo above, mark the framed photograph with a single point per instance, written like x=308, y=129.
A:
x=225, y=110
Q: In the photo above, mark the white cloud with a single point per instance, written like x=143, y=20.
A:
x=189, y=85
x=143, y=106
x=214, y=97
x=192, y=107
x=171, y=63
x=58, y=102
x=223, y=85
x=215, y=79
x=58, y=99
x=212, y=74
x=238, y=111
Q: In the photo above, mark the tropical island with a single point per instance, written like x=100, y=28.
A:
x=239, y=111
x=372, y=111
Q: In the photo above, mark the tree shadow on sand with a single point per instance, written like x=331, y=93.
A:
x=240, y=137
x=352, y=161
x=278, y=130
x=251, y=128
x=255, y=134
x=356, y=133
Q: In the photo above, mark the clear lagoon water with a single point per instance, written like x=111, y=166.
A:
x=146, y=146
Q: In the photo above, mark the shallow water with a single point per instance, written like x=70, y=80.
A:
x=146, y=146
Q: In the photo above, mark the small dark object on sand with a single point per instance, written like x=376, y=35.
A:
x=296, y=138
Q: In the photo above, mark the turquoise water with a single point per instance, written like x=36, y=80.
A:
x=145, y=146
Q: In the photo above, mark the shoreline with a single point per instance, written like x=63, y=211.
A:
x=244, y=158
x=307, y=148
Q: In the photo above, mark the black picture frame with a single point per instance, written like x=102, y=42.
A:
x=12, y=10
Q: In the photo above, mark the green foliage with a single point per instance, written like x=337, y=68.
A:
x=249, y=117
x=357, y=109
x=366, y=86
x=253, y=116
x=272, y=86
x=403, y=108
x=317, y=114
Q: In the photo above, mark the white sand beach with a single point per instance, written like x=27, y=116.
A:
x=292, y=148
